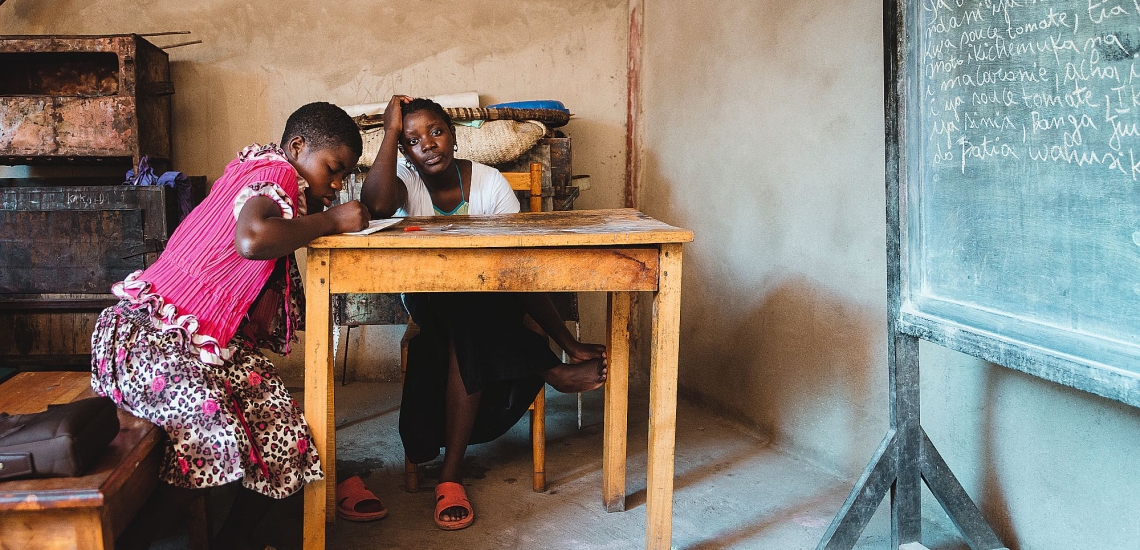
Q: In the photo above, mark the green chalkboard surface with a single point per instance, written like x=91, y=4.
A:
x=1019, y=137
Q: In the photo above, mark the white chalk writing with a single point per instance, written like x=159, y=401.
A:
x=1029, y=84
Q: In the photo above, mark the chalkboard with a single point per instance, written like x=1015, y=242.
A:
x=1019, y=144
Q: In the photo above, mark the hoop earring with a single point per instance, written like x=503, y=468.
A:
x=455, y=148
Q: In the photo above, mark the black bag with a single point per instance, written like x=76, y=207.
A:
x=64, y=440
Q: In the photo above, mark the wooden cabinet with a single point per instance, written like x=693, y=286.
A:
x=84, y=99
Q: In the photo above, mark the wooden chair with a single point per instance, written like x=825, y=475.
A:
x=529, y=184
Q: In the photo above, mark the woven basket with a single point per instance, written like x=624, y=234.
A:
x=495, y=142
x=550, y=117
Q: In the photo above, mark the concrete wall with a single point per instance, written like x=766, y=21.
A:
x=764, y=134
x=260, y=60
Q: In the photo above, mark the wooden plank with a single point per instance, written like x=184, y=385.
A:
x=127, y=468
x=616, y=227
x=538, y=440
x=126, y=489
x=319, y=495
x=634, y=128
x=543, y=269
x=616, y=403
x=906, y=494
x=864, y=499
x=663, y=401
x=47, y=338
x=197, y=524
x=1105, y=368
x=954, y=499
x=74, y=529
x=32, y=392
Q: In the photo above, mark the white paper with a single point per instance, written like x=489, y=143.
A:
x=376, y=225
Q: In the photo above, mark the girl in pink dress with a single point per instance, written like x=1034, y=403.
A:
x=181, y=348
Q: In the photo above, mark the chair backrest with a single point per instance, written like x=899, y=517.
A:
x=531, y=183
x=528, y=182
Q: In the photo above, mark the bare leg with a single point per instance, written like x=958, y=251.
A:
x=459, y=418
x=248, y=510
x=167, y=501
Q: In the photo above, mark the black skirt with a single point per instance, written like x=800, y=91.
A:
x=497, y=355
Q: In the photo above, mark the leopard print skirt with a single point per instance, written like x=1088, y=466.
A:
x=224, y=423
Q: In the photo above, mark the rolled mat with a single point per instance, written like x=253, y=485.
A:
x=550, y=117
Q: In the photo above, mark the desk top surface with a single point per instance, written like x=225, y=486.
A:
x=614, y=227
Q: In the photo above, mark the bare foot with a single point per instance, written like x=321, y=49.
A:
x=454, y=513
x=577, y=377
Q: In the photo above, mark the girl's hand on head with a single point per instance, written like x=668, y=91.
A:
x=348, y=217
x=579, y=352
x=394, y=115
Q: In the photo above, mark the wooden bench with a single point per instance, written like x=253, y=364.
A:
x=86, y=512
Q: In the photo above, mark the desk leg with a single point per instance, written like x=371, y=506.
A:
x=319, y=495
x=663, y=400
x=617, y=403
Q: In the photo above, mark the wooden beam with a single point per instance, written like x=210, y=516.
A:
x=617, y=403
x=877, y=479
x=319, y=495
x=663, y=401
x=545, y=270
x=633, y=130
x=953, y=498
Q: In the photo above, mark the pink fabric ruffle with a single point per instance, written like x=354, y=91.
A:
x=166, y=318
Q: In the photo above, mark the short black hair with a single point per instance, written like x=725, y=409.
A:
x=323, y=125
x=425, y=104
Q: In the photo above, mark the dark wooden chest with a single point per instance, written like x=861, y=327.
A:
x=84, y=99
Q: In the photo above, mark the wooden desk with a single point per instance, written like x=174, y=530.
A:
x=85, y=512
x=614, y=251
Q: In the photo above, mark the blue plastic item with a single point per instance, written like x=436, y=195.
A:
x=537, y=104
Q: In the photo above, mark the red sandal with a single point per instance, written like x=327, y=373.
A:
x=449, y=494
x=349, y=494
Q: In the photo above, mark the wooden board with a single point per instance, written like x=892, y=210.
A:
x=115, y=472
x=33, y=392
x=470, y=270
x=564, y=228
x=77, y=239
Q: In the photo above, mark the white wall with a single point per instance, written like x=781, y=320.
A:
x=767, y=143
x=260, y=60
x=764, y=134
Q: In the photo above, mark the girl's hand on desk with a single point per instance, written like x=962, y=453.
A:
x=348, y=217
x=579, y=352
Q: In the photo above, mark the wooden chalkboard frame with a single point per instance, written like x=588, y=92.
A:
x=906, y=457
x=1089, y=362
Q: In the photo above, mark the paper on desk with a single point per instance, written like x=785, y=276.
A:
x=376, y=225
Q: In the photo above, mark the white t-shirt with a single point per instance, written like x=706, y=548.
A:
x=490, y=193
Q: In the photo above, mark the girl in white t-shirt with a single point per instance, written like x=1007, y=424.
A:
x=474, y=369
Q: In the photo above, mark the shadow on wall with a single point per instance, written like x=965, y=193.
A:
x=994, y=503
x=798, y=365
x=776, y=349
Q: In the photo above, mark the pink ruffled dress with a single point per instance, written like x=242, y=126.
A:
x=181, y=348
